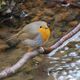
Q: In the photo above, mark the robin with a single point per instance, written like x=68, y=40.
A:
x=32, y=35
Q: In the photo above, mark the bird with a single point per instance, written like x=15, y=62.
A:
x=32, y=35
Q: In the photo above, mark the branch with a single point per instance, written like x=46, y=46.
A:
x=64, y=38
x=27, y=56
x=11, y=70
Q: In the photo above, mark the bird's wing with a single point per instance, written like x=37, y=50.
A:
x=36, y=42
x=29, y=42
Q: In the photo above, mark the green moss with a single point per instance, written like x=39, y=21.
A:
x=58, y=32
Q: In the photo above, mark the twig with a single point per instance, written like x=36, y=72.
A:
x=27, y=56
x=64, y=38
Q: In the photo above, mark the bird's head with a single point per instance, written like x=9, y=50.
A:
x=44, y=31
x=42, y=28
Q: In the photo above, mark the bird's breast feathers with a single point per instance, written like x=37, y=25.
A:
x=45, y=33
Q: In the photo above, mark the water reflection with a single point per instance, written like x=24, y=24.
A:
x=66, y=66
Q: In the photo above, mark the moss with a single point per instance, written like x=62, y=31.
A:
x=58, y=32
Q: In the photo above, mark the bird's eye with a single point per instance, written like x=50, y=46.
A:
x=40, y=26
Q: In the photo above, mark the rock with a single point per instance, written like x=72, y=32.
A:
x=71, y=45
x=60, y=17
x=72, y=16
x=39, y=59
x=73, y=23
x=50, y=3
x=3, y=46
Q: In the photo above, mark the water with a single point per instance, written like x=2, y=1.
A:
x=67, y=66
x=76, y=37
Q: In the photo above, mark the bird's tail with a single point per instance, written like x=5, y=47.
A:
x=13, y=40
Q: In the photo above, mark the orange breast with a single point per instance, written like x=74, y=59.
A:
x=45, y=33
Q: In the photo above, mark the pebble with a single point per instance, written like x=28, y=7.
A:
x=66, y=48
x=61, y=51
x=73, y=54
